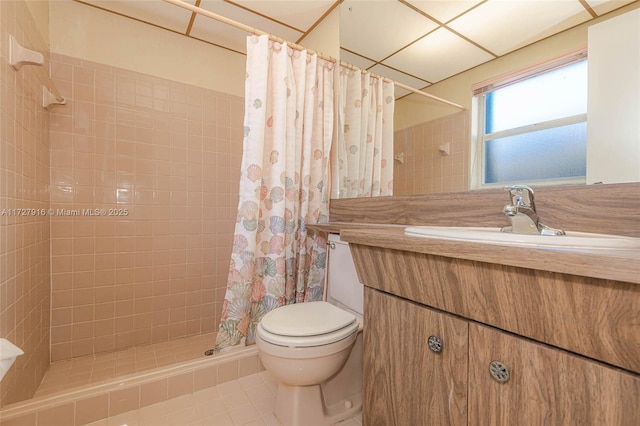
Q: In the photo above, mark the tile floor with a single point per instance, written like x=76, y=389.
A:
x=67, y=374
x=247, y=401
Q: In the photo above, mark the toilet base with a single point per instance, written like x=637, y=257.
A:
x=305, y=406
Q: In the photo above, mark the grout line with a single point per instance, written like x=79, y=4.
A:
x=118, y=383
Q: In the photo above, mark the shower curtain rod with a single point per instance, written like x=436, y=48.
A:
x=403, y=86
x=249, y=29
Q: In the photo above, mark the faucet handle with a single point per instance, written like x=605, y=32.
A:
x=521, y=196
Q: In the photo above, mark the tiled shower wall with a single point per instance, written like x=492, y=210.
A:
x=425, y=168
x=24, y=200
x=144, y=188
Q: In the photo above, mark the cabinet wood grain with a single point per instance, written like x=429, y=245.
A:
x=405, y=382
x=618, y=265
x=593, y=317
x=547, y=386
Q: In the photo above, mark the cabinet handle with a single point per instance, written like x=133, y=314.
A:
x=435, y=344
x=499, y=371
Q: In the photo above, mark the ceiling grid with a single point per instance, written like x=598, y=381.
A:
x=414, y=42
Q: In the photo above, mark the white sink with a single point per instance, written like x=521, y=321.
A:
x=571, y=241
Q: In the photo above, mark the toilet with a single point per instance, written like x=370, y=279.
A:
x=314, y=349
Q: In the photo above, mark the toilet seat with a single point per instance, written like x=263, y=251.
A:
x=307, y=324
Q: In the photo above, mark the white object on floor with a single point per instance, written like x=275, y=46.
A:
x=8, y=354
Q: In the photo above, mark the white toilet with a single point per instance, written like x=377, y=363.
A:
x=314, y=349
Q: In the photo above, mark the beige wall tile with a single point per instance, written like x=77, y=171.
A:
x=25, y=260
x=56, y=416
x=92, y=409
x=154, y=392
x=124, y=400
x=26, y=420
x=228, y=371
x=124, y=142
x=205, y=378
x=248, y=366
x=425, y=169
x=180, y=385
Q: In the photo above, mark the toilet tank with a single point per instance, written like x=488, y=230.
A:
x=343, y=288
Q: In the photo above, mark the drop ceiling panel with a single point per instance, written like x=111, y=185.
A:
x=399, y=92
x=156, y=12
x=298, y=14
x=444, y=11
x=356, y=60
x=376, y=29
x=605, y=6
x=431, y=58
x=371, y=30
x=503, y=26
x=399, y=76
x=216, y=32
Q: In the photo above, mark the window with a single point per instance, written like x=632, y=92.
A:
x=532, y=126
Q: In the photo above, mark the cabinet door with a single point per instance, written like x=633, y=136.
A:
x=545, y=386
x=407, y=383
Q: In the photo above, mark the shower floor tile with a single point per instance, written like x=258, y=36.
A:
x=92, y=369
x=246, y=401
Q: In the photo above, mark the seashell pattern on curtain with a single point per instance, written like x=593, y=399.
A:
x=288, y=131
x=362, y=161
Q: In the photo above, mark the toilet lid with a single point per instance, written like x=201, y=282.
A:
x=306, y=319
x=306, y=341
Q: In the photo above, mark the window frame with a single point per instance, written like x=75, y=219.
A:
x=478, y=120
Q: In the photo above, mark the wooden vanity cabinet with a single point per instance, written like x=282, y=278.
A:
x=545, y=385
x=482, y=376
x=406, y=382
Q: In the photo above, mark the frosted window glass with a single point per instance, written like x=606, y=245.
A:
x=557, y=94
x=560, y=152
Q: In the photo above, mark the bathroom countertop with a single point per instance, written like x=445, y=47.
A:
x=614, y=265
x=338, y=227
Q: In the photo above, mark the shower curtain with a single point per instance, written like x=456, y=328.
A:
x=362, y=161
x=288, y=130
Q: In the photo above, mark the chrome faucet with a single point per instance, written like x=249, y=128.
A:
x=523, y=215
